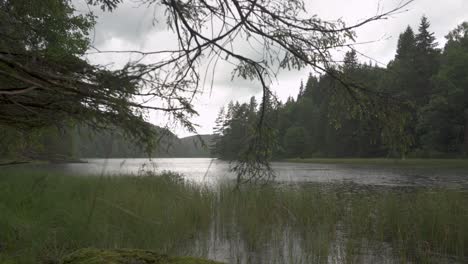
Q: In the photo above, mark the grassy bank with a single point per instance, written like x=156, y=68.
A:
x=45, y=217
x=438, y=163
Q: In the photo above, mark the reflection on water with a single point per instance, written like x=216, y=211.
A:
x=289, y=248
x=205, y=170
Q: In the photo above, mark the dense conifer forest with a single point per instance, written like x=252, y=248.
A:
x=429, y=86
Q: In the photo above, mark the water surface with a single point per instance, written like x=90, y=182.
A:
x=230, y=240
x=212, y=171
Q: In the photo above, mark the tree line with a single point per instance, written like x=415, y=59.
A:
x=72, y=142
x=428, y=86
x=48, y=77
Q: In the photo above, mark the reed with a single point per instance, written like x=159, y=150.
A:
x=45, y=216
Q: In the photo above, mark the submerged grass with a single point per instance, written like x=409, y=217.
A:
x=46, y=216
x=342, y=223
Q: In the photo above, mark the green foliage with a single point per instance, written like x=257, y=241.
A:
x=47, y=78
x=50, y=28
x=416, y=106
x=443, y=123
x=48, y=143
x=236, y=129
x=425, y=40
x=296, y=141
x=72, y=142
x=245, y=133
x=47, y=216
x=328, y=120
x=47, y=81
x=127, y=256
x=406, y=46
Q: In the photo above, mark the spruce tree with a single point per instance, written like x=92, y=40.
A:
x=425, y=40
x=406, y=46
x=400, y=80
x=301, y=90
x=350, y=60
x=426, y=62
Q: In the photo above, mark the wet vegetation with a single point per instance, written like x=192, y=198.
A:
x=127, y=256
x=48, y=216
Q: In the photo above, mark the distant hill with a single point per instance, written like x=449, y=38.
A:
x=194, y=146
x=113, y=144
x=81, y=141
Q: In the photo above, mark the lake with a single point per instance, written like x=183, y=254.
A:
x=319, y=213
x=213, y=171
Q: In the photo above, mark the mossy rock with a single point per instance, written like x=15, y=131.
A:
x=128, y=256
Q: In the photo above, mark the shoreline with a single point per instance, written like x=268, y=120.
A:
x=40, y=161
x=444, y=163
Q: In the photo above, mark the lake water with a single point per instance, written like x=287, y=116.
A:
x=225, y=240
x=212, y=171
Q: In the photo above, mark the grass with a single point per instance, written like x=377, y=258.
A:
x=127, y=256
x=419, y=225
x=436, y=163
x=47, y=216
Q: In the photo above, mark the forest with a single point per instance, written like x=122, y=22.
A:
x=428, y=85
x=90, y=89
x=72, y=142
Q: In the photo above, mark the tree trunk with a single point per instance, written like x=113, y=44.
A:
x=465, y=140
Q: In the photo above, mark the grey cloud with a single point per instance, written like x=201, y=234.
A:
x=131, y=21
x=133, y=27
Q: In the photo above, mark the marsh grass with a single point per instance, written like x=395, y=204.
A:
x=45, y=216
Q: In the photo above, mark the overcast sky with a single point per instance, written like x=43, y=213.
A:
x=132, y=27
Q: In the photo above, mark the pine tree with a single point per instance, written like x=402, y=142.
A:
x=253, y=105
x=399, y=79
x=310, y=89
x=301, y=90
x=444, y=120
x=425, y=40
x=426, y=63
x=350, y=67
x=252, y=112
x=350, y=60
x=406, y=46
x=218, y=131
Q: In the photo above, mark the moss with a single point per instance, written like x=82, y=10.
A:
x=127, y=256
x=191, y=260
